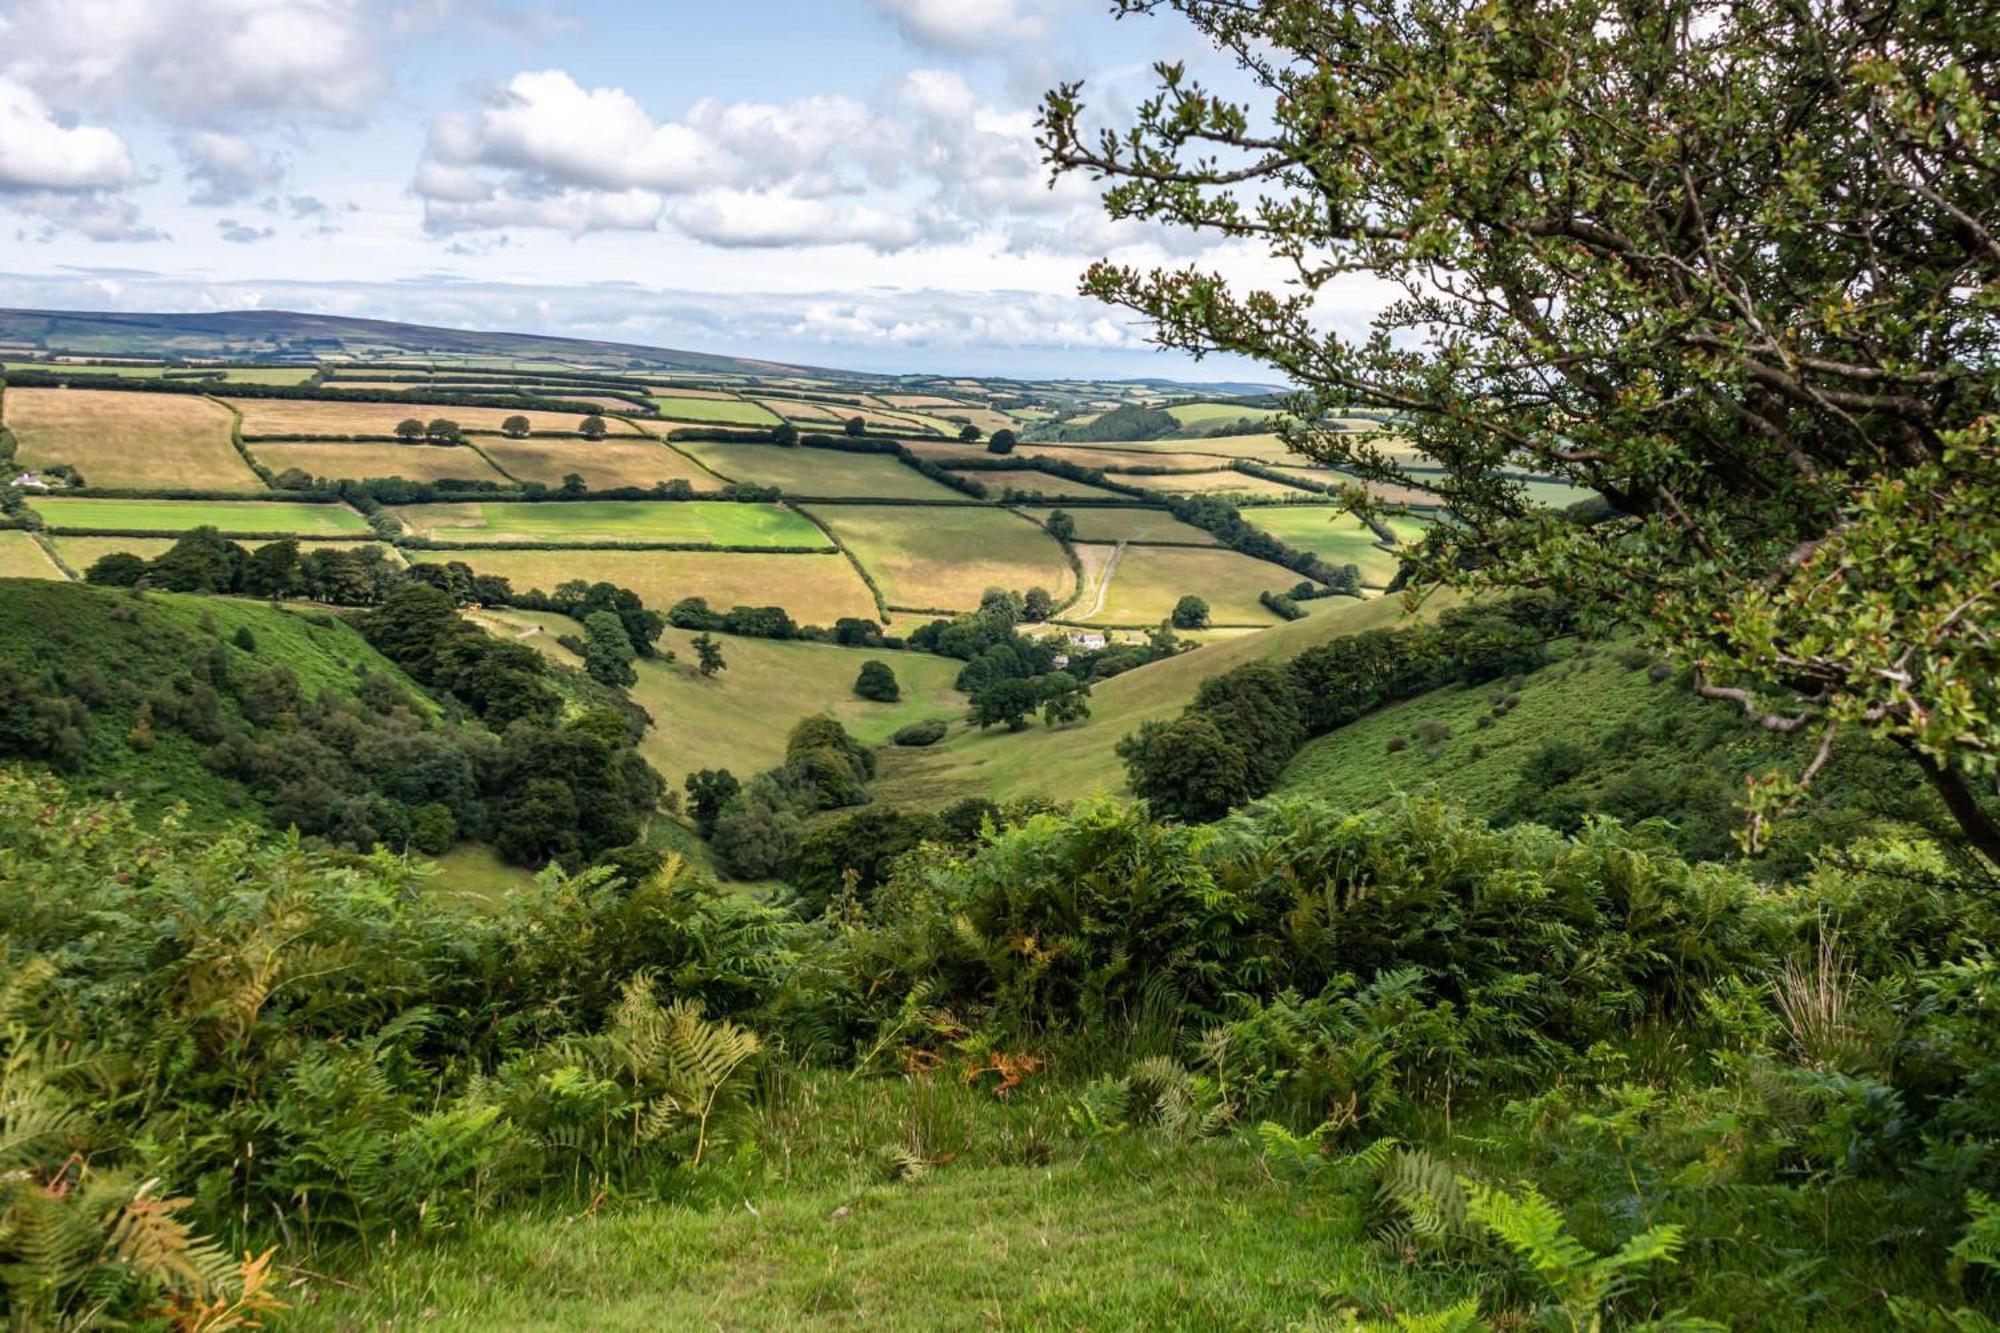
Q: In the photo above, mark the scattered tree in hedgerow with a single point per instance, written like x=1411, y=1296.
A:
x=786, y=434
x=1190, y=612
x=708, y=654
x=592, y=427
x=878, y=682
x=970, y=433
x=515, y=427
x=1061, y=526
x=1038, y=605
x=856, y=426
x=409, y=428
x=1002, y=442
x=444, y=430
x=607, y=651
x=1730, y=267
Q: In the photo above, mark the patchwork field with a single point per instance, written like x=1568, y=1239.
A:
x=151, y=441
x=281, y=418
x=80, y=553
x=1228, y=482
x=1027, y=479
x=815, y=589
x=1199, y=415
x=1120, y=458
x=809, y=472
x=275, y=518
x=713, y=522
x=1129, y=525
x=814, y=416
x=948, y=558
x=1257, y=448
x=1332, y=533
x=724, y=411
x=603, y=464
x=359, y=462
x=1148, y=581
x=22, y=557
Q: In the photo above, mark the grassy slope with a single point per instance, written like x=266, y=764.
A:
x=22, y=557
x=1021, y=1225
x=163, y=636
x=1079, y=760
x=739, y=718
x=948, y=557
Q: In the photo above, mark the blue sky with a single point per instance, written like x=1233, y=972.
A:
x=848, y=182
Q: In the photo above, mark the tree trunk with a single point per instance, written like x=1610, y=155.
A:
x=1981, y=829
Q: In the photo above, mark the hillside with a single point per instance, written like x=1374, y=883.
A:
x=244, y=334
x=113, y=652
x=1076, y=761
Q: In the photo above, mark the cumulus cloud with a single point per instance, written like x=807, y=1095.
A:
x=927, y=161
x=200, y=62
x=243, y=233
x=39, y=152
x=966, y=27
x=227, y=169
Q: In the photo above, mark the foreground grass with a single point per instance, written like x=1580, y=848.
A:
x=1014, y=1225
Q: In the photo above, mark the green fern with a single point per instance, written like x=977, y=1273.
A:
x=1429, y=1196
x=1979, y=1247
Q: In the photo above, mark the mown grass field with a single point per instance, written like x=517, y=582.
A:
x=1199, y=415
x=22, y=557
x=1333, y=534
x=277, y=518
x=1148, y=581
x=603, y=464
x=823, y=472
x=80, y=553
x=739, y=718
x=280, y=418
x=151, y=441
x=1077, y=761
x=724, y=411
x=815, y=589
x=947, y=558
x=1128, y=525
x=359, y=462
x=714, y=522
x=1023, y=1224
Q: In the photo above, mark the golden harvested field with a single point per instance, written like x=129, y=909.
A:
x=945, y=451
x=1150, y=579
x=998, y=481
x=22, y=557
x=1215, y=483
x=814, y=589
x=603, y=464
x=919, y=400
x=80, y=553
x=1111, y=460
x=144, y=441
x=948, y=558
x=816, y=414
x=359, y=462
x=285, y=417
x=985, y=418
x=821, y=472
x=1129, y=525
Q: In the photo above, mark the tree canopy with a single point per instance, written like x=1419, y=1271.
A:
x=1736, y=269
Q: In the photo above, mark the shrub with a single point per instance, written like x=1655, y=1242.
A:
x=918, y=734
x=877, y=682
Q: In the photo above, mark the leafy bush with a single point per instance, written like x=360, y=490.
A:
x=928, y=732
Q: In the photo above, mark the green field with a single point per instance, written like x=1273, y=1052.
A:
x=22, y=557
x=1149, y=580
x=947, y=558
x=1333, y=534
x=724, y=411
x=1200, y=415
x=814, y=589
x=276, y=518
x=999, y=482
x=810, y=472
x=1075, y=762
x=1129, y=525
x=739, y=718
x=710, y=522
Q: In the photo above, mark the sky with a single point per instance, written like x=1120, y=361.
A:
x=848, y=183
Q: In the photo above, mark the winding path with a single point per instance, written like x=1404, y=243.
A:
x=1104, y=583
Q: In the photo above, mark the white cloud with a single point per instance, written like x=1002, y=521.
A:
x=200, y=62
x=243, y=233
x=966, y=27
x=772, y=218
x=226, y=169
x=38, y=152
